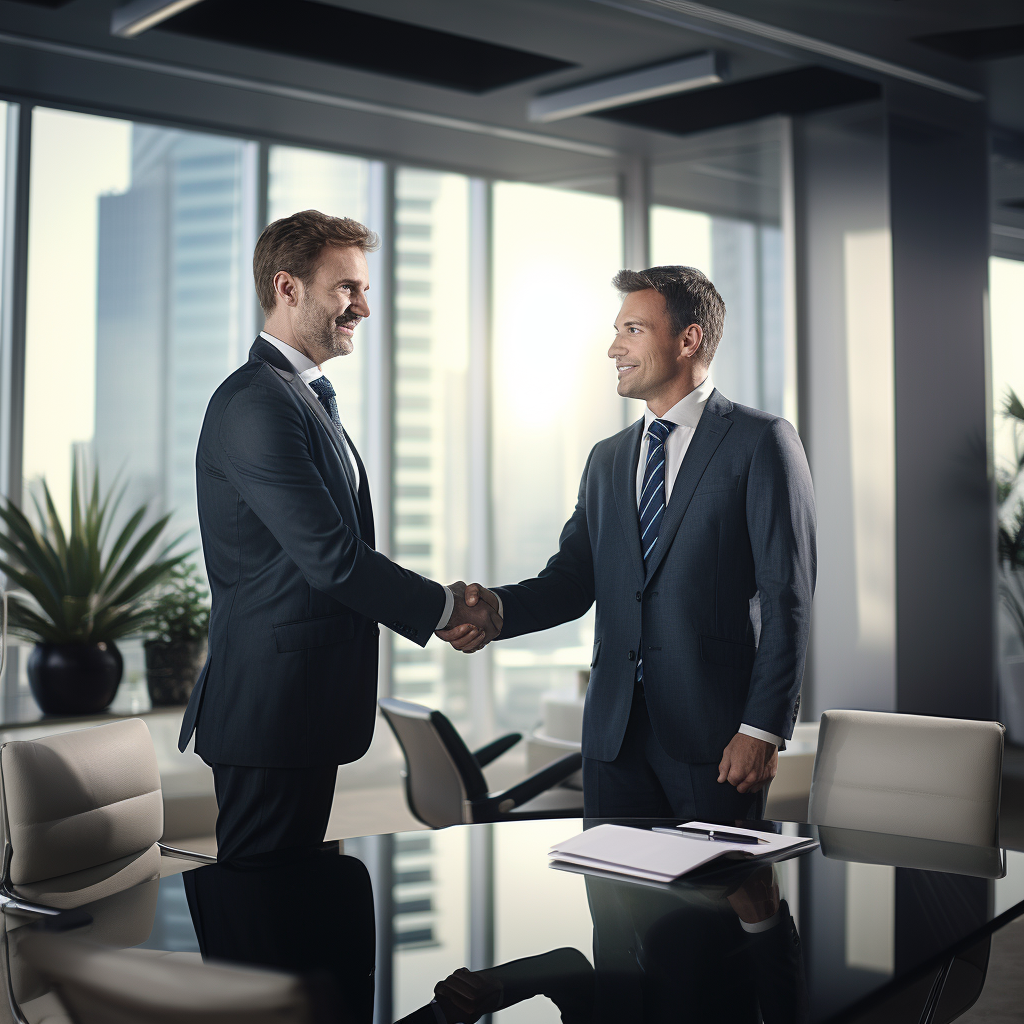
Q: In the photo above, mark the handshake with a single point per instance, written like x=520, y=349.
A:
x=475, y=621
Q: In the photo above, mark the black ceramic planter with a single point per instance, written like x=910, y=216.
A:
x=74, y=679
x=172, y=670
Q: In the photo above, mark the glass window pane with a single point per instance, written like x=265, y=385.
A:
x=139, y=293
x=555, y=253
x=430, y=440
x=744, y=260
x=1006, y=297
x=306, y=179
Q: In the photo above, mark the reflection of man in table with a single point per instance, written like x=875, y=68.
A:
x=660, y=954
x=694, y=533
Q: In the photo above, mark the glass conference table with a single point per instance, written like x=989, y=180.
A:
x=865, y=927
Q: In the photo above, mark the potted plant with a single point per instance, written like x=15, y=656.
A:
x=81, y=593
x=176, y=649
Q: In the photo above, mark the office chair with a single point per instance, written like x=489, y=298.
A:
x=97, y=985
x=82, y=817
x=908, y=775
x=444, y=784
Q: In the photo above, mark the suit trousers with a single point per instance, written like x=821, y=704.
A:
x=644, y=782
x=264, y=809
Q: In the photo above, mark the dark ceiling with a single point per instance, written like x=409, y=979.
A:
x=386, y=46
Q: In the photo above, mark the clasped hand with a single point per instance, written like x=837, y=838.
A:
x=475, y=621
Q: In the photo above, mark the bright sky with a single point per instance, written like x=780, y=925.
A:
x=76, y=158
x=1006, y=299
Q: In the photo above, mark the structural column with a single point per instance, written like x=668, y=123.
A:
x=945, y=500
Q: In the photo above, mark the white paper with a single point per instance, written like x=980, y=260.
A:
x=658, y=856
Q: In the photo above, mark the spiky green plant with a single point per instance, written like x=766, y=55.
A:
x=79, y=588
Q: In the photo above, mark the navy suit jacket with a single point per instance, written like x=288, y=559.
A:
x=297, y=588
x=739, y=525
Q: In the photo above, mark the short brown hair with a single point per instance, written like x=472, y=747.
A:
x=690, y=298
x=296, y=244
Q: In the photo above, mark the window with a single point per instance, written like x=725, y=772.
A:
x=139, y=298
x=554, y=397
x=431, y=464
x=1006, y=297
x=744, y=260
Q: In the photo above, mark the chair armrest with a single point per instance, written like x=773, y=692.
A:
x=537, y=783
x=485, y=755
x=173, y=851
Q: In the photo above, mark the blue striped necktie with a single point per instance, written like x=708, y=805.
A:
x=652, y=498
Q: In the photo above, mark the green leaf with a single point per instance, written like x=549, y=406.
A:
x=1013, y=408
x=138, y=551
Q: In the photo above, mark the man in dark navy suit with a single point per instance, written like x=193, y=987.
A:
x=289, y=689
x=694, y=532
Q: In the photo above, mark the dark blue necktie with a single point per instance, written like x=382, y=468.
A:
x=325, y=392
x=652, y=499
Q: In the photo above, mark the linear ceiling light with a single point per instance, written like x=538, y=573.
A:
x=136, y=17
x=694, y=72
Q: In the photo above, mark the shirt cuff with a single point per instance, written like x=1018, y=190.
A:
x=449, y=604
x=438, y=1013
x=760, y=734
x=501, y=607
x=761, y=926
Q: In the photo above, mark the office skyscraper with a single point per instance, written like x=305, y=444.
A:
x=173, y=292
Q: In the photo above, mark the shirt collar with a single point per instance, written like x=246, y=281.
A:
x=301, y=363
x=685, y=413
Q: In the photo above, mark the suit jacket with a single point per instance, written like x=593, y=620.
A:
x=297, y=587
x=736, y=547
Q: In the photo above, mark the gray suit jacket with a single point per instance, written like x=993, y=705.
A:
x=739, y=526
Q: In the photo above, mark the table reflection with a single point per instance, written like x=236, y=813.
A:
x=394, y=924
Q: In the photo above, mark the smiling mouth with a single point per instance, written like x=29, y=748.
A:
x=624, y=369
x=347, y=326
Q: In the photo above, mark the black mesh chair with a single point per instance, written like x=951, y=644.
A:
x=444, y=784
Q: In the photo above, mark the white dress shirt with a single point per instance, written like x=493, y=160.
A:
x=307, y=371
x=686, y=414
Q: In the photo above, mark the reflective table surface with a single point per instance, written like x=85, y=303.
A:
x=865, y=927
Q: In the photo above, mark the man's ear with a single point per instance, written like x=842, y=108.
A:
x=288, y=289
x=689, y=341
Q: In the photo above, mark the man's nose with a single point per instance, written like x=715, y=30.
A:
x=616, y=348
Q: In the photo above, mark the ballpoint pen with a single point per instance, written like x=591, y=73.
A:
x=710, y=834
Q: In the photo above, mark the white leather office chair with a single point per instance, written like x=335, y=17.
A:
x=908, y=775
x=97, y=985
x=82, y=816
x=444, y=781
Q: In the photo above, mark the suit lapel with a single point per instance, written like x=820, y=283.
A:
x=711, y=428
x=307, y=396
x=627, y=452
x=365, y=506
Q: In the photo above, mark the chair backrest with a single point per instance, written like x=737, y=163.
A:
x=441, y=773
x=83, y=812
x=140, y=986
x=909, y=775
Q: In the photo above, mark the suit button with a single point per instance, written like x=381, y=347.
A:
x=639, y=596
x=632, y=655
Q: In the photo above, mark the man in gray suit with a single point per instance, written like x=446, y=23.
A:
x=694, y=533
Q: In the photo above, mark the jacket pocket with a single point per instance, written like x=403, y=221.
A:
x=307, y=633
x=727, y=653
x=597, y=651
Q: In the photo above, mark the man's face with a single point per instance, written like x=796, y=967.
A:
x=648, y=354
x=332, y=304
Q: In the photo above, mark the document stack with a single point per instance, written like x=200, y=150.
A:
x=665, y=854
